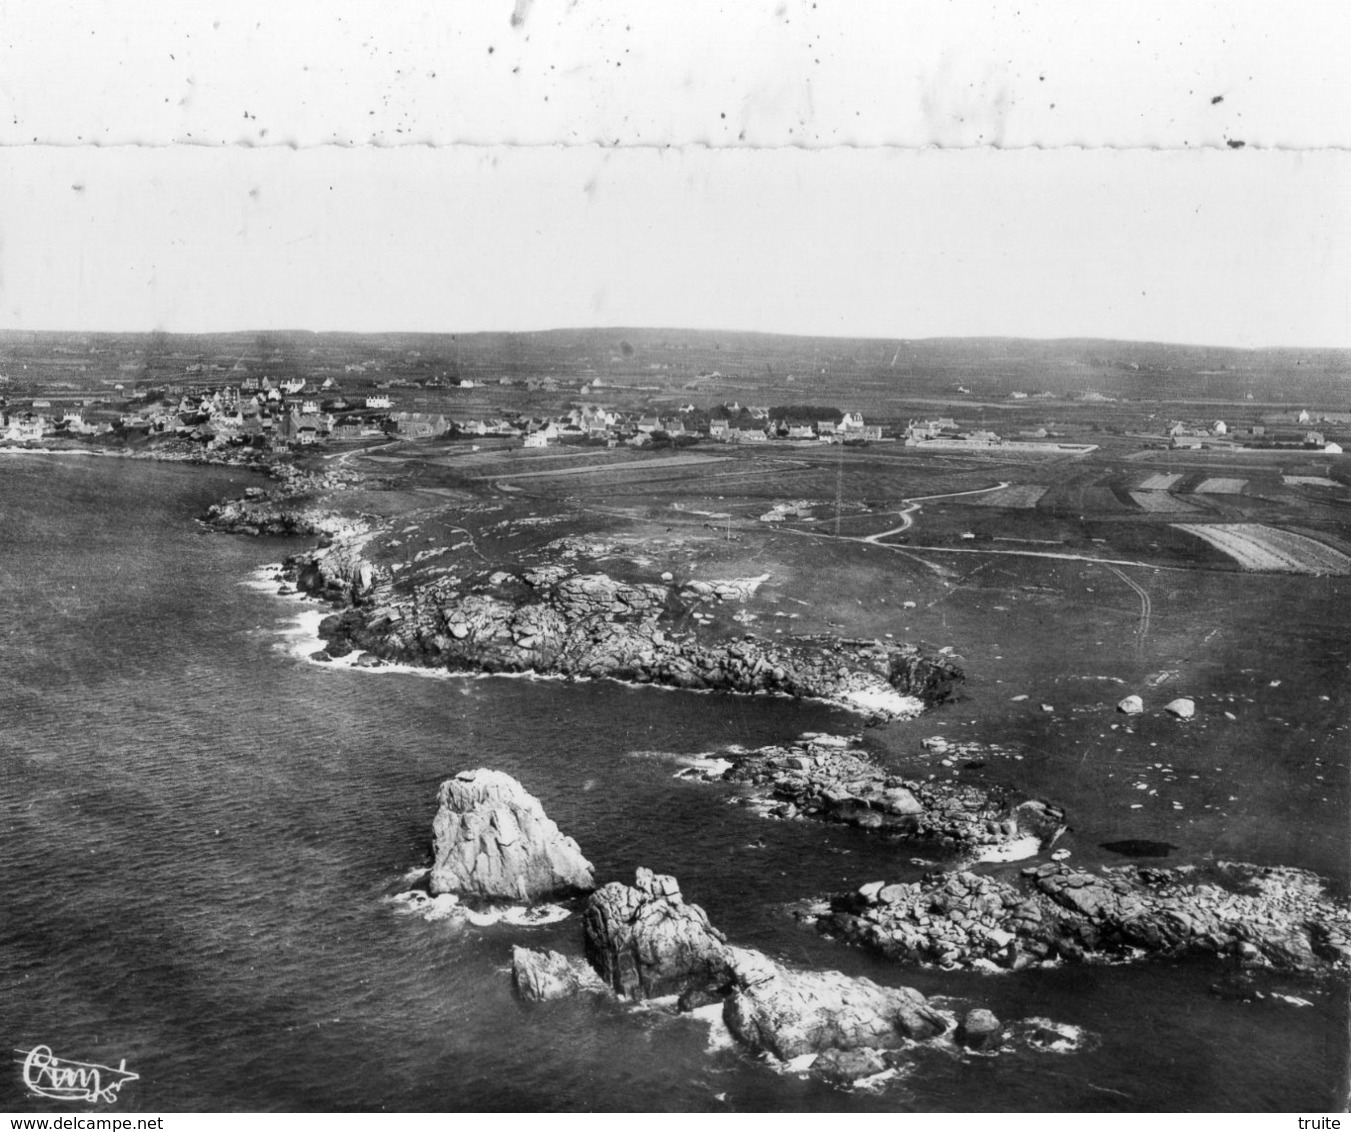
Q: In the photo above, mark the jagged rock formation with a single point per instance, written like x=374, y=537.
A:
x=823, y=778
x=340, y=573
x=493, y=841
x=554, y=621
x=1263, y=916
x=644, y=941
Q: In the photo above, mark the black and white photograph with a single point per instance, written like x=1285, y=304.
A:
x=569, y=557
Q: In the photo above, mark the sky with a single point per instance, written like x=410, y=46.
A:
x=1222, y=247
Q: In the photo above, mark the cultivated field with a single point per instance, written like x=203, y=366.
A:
x=1020, y=495
x=1220, y=485
x=1159, y=481
x=1161, y=501
x=1266, y=549
x=1309, y=481
x=638, y=466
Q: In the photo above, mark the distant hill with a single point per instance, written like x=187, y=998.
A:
x=729, y=365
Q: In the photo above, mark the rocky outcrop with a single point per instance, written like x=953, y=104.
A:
x=826, y=778
x=788, y=1013
x=338, y=572
x=645, y=942
x=492, y=840
x=290, y=509
x=1259, y=916
x=554, y=621
x=268, y=517
x=542, y=976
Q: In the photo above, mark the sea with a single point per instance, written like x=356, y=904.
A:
x=207, y=841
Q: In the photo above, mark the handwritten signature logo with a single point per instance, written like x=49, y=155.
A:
x=50, y=1076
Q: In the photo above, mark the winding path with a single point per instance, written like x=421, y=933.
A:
x=915, y=500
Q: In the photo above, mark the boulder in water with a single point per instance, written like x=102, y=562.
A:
x=845, y=1066
x=493, y=840
x=980, y=1030
x=789, y=1013
x=1183, y=708
x=541, y=976
x=1131, y=705
x=644, y=940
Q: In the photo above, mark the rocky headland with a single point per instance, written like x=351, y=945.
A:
x=547, y=614
x=552, y=621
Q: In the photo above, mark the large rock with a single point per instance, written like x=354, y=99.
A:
x=789, y=1013
x=1182, y=707
x=493, y=840
x=644, y=941
x=979, y=1029
x=541, y=976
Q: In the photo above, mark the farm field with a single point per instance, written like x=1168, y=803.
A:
x=1266, y=549
x=1159, y=481
x=639, y=466
x=1084, y=499
x=1022, y=495
x=1220, y=485
x=1161, y=502
x=1309, y=481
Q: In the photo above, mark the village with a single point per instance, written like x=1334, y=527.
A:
x=276, y=415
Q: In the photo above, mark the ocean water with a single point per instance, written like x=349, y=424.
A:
x=203, y=837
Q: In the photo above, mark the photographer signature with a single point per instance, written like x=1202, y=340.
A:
x=50, y=1076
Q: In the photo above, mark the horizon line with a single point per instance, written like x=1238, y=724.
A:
x=635, y=328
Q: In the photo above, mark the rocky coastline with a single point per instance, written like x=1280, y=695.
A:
x=1256, y=916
